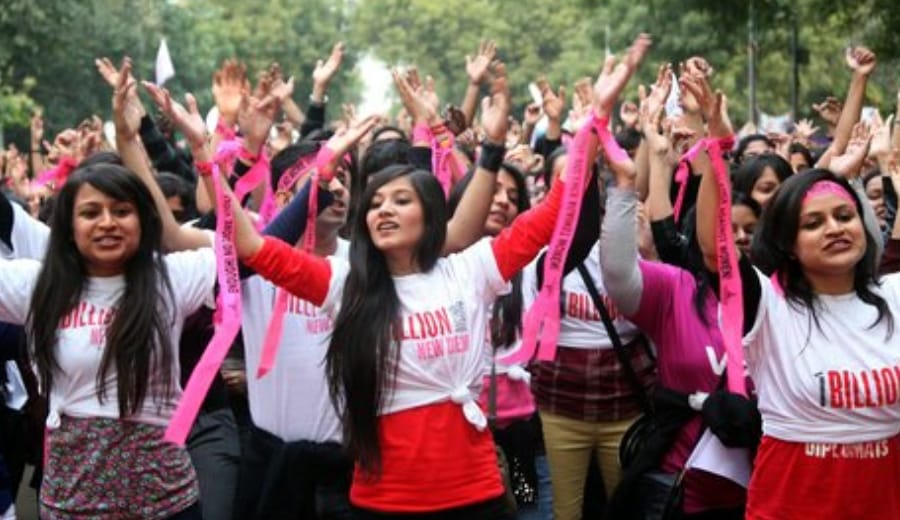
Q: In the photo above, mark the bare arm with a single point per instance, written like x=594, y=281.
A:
x=128, y=111
x=467, y=224
x=476, y=68
x=862, y=62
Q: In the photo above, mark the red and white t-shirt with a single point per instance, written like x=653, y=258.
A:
x=442, y=340
x=829, y=395
x=82, y=333
x=292, y=401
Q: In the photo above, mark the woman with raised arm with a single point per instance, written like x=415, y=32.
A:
x=407, y=353
x=676, y=308
x=820, y=347
x=101, y=312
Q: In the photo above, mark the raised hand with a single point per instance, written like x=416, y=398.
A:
x=188, y=120
x=829, y=110
x=495, y=109
x=341, y=142
x=698, y=66
x=659, y=92
x=861, y=60
x=127, y=107
x=708, y=103
x=880, y=147
x=107, y=71
x=615, y=76
x=581, y=104
x=230, y=85
x=37, y=130
x=414, y=100
x=628, y=113
x=849, y=163
x=325, y=71
x=531, y=115
x=477, y=67
x=803, y=131
x=554, y=103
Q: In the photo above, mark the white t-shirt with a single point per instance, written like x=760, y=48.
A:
x=82, y=333
x=29, y=236
x=444, y=322
x=836, y=382
x=581, y=325
x=292, y=401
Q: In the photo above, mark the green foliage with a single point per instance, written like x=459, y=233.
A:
x=16, y=107
x=55, y=42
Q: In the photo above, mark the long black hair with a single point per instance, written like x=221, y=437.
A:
x=362, y=357
x=137, y=338
x=776, y=236
x=506, y=318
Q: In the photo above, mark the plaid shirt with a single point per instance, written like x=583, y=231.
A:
x=590, y=384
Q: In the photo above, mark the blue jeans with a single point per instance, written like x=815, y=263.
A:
x=543, y=510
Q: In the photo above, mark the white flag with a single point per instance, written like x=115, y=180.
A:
x=164, y=67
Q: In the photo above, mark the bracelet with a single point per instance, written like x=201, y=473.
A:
x=204, y=168
x=491, y=156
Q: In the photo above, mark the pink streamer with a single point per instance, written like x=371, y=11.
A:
x=421, y=134
x=275, y=329
x=227, y=320
x=58, y=174
x=544, y=315
x=441, y=153
x=226, y=153
x=682, y=174
x=730, y=293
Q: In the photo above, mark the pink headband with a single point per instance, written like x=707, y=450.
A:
x=828, y=188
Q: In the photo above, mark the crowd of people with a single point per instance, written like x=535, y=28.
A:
x=603, y=309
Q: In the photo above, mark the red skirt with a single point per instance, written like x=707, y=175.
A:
x=797, y=480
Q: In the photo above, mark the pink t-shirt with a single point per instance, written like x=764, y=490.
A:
x=691, y=358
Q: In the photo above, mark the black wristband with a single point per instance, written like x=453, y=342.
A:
x=491, y=156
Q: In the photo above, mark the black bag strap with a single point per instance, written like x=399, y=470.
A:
x=618, y=347
x=492, y=395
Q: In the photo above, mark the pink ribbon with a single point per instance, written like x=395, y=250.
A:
x=226, y=153
x=544, y=315
x=227, y=320
x=421, y=134
x=730, y=293
x=275, y=328
x=58, y=174
x=441, y=153
x=682, y=174
x=226, y=132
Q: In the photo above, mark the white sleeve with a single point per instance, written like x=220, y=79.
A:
x=752, y=344
x=29, y=235
x=17, y=280
x=193, y=278
x=475, y=268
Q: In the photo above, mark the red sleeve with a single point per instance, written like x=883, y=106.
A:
x=302, y=274
x=518, y=244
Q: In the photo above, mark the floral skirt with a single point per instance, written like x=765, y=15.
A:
x=112, y=469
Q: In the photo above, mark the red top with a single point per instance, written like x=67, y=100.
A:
x=432, y=458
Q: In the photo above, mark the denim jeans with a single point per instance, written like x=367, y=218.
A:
x=543, y=510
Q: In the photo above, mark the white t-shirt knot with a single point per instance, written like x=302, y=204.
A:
x=53, y=419
x=461, y=395
x=517, y=373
